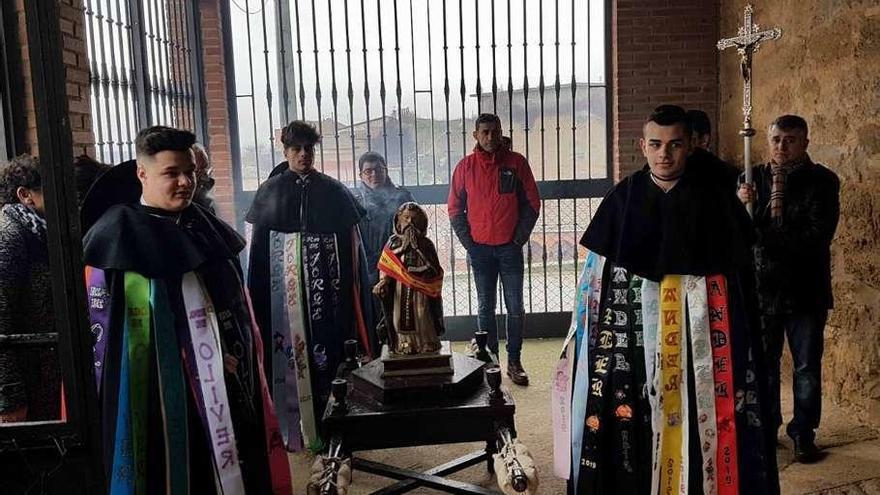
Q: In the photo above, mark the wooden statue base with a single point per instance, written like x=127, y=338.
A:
x=371, y=381
x=418, y=364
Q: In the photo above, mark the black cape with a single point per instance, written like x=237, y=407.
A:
x=316, y=204
x=697, y=228
x=164, y=246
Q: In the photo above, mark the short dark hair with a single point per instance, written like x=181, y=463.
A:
x=86, y=171
x=159, y=138
x=21, y=171
x=790, y=123
x=299, y=132
x=669, y=115
x=372, y=157
x=487, y=118
x=700, y=123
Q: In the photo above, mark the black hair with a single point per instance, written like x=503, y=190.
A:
x=159, y=138
x=700, y=124
x=300, y=133
x=86, y=171
x=372, y=157
x=790, y=122
x=487, y=118
x=668, y=115
x=21, y=171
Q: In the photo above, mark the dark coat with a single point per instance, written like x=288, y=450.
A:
x=380, y=206
x=793, y=260
x=28, y=375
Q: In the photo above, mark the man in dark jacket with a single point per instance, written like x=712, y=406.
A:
x=493, y=206
x=702, y=155
x=796, y=211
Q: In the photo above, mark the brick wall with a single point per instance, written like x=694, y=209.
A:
x=77, y=74
x=219, y=144
x=663, y=51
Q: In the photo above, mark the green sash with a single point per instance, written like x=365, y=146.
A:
x=137, y=314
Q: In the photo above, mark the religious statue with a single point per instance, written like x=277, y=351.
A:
x=410, y=284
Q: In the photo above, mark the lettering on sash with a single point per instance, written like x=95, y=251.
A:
x=605, y=339
x=621, y=340
x=620, y=363
x=609, y=315
x=719, y=339
x=670, y=317
x=714, y=288
x=670, y=294
x=637, y=294
x=619, y=275
x=619, y=296
x=638, y=321
x=721, y=390
x=602, y=365
x=620, y=319
x=716, y=314
x=596, y=387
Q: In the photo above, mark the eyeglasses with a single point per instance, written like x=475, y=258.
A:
x=373, y=171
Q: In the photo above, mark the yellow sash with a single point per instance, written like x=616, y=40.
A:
x=391, y=265
x=671, y=375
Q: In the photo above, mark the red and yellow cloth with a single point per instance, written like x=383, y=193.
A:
x=391, y=265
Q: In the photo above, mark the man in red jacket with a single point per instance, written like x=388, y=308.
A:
x=493, y=206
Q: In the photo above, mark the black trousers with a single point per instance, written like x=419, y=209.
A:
x=805, y=333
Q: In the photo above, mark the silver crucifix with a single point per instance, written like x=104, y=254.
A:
x=747, y=42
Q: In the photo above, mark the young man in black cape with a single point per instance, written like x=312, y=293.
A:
x=663, y=349
x=185, y=406
x=305, y=273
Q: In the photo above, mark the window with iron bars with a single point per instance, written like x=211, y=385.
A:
x=144, y=69
x=407, y=79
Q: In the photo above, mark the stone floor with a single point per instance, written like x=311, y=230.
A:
x=851, y=463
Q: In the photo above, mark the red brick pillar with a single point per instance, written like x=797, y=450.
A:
x=662, y=52
x=217, y=108
x=77, y=74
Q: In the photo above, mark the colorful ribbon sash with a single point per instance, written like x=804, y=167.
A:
x=137, y=313
x=278, y=463
x=671, y=379
x=719, y=325
x=704, y=380
x=562, y=375
x=172, y=393
x=209, y=362
x=284, y=384
x=580, y=392
x=299, y=372
x=99, y=316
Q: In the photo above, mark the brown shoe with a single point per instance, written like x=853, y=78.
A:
x=517, y=374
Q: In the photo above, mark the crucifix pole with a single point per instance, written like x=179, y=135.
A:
x=747, y=41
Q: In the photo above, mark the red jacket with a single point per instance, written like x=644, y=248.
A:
x=493, y=199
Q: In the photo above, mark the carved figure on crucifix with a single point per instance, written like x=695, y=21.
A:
x=748, y=40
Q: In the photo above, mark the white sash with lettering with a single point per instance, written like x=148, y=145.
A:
x=704, y=378
x=297, y=334
x=650, y=331
x=208, y=355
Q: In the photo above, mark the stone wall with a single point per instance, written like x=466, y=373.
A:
x=826, y=68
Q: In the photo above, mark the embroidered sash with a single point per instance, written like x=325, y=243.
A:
x=209, y=361
x=99, y=316
x=561, y=400
x=298, y=372
x=122, y=475
x=322, y=290
x=172, y=393
x=137, y=314
x=284, y=384
x=671, y=378
x=279, y=467
x=719, y=324
x=704, y=380
x=580, y=392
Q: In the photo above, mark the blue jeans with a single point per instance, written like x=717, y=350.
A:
x=488, y=262
x=805, y=332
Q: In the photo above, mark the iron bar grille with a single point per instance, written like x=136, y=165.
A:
x=407, y=78
x=144, y=69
